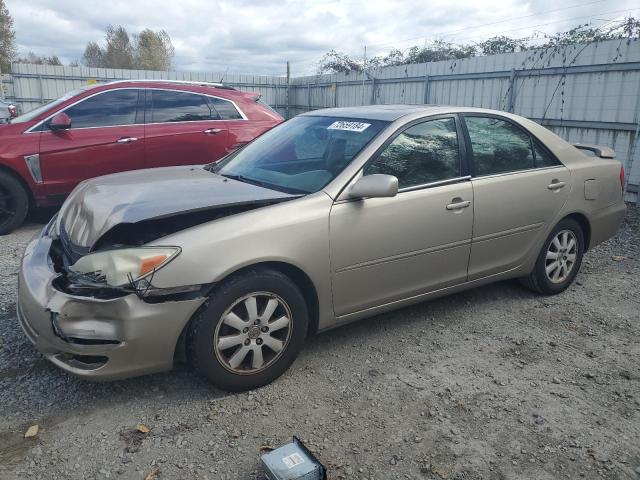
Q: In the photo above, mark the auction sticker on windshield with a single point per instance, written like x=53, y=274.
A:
x=349, y=126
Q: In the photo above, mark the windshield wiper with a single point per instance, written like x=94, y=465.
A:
x=270, y=186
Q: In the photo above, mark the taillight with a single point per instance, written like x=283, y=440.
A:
x=622, y=177
x=13, y=111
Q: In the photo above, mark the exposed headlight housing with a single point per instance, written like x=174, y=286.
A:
x=122, y=266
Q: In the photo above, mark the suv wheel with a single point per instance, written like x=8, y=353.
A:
x=250, y=332
x=14, y=203
x=559, y=260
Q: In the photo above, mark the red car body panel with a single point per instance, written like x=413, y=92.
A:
x=69, y=156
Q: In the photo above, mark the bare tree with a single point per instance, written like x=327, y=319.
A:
x=7, y=38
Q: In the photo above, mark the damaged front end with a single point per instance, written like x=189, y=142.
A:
x=87, y=297
x=84, y=271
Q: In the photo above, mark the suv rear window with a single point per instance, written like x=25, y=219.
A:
x=171, y=106
x=225, y=109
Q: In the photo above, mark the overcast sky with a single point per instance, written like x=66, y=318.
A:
x=259, y=36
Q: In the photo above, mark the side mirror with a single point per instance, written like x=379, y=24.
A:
x=60, y=121
x=375, y=186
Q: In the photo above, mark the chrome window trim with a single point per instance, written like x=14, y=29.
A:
x=423, y=186
x=439, y=183
x=515, y=172
x=244, y=117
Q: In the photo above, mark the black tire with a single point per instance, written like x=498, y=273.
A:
x=204, y=327
x=538, y=280
x=14, y=203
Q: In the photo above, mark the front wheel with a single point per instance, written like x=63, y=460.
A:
x=14, y=203
x=559, y=260
x=250, y=332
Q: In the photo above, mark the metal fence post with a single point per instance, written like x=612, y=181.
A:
x=288, y=90
x=276, y=96
x=41, y=90
x=512, y=87
x=308, y=97
x=373, y=91
x=426, y=89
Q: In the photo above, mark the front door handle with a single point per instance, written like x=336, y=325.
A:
x=127, y=140
x=212, y=131
x=458, y=203
x=555, y=184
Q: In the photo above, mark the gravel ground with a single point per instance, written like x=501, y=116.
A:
x=493, y=383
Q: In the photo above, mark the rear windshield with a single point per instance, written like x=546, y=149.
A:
x=301, y=155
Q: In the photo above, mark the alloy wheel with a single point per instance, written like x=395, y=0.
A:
x=561, y=256
x=253, y=333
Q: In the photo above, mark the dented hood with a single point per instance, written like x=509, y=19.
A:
x=97, y=205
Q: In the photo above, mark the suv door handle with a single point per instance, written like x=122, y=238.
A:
x=555, y=185
x=458, y=204
x=127, y=140
x=212, y=131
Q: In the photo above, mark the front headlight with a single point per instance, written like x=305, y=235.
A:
x=120, y=267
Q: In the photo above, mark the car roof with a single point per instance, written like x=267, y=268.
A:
x=391, y=113
x=219, y=89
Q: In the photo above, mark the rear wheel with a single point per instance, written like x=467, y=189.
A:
x=14, y=203
x=559, y=260
x=250, y=332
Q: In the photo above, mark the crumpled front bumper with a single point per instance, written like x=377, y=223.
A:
x=95, y=338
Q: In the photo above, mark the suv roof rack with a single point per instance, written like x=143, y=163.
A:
x=179, y=82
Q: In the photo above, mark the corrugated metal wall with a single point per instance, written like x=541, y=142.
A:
x=586, y=93
x=32, y=85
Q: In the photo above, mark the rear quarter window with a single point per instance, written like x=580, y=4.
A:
x=225, y=109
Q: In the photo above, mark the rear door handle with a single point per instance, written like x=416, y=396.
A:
x=555, y=185
x=127, y=140
x=212, y=131
x=458, y=204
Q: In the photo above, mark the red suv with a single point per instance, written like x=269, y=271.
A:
x=123, y=125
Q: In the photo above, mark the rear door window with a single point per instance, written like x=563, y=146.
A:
x=106, y=109
x=498, y=146
x=172, y=106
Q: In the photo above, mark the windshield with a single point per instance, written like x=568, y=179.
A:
x=30, y=115
x=301, y=155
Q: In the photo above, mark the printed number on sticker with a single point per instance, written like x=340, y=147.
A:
x=293, y=460
x=349, y=126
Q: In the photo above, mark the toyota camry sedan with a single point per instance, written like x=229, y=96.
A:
x=330, y=217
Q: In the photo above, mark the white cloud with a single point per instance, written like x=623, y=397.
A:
x=254, y=36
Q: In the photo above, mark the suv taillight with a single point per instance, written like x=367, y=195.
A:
x=13, y=111
x=622, y=177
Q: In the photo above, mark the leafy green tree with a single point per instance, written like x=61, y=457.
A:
x=153, y=50
x=7, y=38
x=38, y=60
x=119, y=51
x=502, y=44
x=93, y=55
x=148, y=50
x=440, y=50
x=337, y=62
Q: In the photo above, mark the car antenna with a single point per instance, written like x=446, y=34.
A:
x=224, y=74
